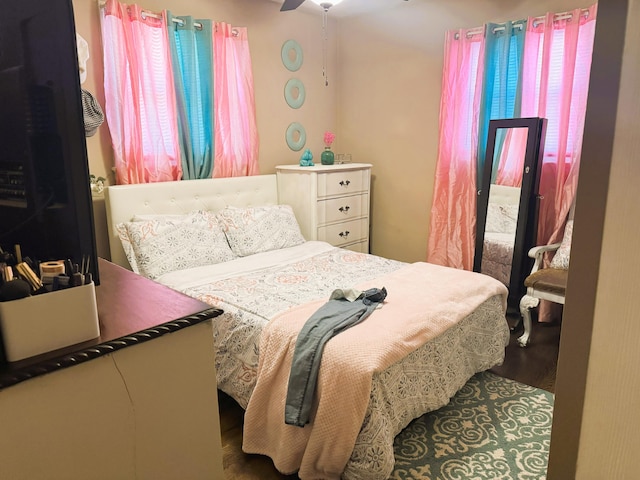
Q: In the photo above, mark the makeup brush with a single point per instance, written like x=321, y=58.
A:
x=14, y=290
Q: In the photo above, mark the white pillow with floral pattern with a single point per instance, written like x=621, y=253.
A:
x=260, y=229
x=561, y=257
x=156, y=247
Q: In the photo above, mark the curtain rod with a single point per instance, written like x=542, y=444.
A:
x=501, y=28
x=556, y=18
x=157, y=16
x=179, y=21
x=562, y=16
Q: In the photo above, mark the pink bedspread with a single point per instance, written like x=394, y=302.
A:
x=423, y=301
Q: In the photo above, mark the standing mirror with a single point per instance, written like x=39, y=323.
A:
x=507, y=216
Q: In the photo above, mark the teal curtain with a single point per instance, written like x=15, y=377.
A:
x=502, y=83
x=192, y=58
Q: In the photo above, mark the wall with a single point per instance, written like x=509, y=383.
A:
x=607, y=445
x=595, y=431
x=384, y=104
x=268, y=29
x=389, y=95
x=389, y=98
x=382, y=101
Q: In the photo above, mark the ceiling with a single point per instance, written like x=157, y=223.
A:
x=347, y=7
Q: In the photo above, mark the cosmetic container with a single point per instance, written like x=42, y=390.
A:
x=41, y=323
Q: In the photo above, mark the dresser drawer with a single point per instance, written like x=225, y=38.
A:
x=341, y=183
x=342, y=208
x=361, y=247
x=343, y=233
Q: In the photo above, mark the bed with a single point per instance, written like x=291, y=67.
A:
x=268, y=294
x=500, y=232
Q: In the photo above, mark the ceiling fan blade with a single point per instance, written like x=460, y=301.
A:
x=290, y=5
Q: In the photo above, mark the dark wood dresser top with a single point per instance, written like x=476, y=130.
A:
x=131, y=309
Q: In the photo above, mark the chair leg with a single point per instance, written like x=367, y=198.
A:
x=526, y=304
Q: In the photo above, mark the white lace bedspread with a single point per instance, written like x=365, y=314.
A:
x=497, y=255
x=263, y=287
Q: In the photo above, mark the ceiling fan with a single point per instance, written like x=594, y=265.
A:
x=293, y=4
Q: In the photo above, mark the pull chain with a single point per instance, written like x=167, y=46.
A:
x=325, y=26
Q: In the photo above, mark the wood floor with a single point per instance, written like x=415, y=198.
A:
x=534, y=365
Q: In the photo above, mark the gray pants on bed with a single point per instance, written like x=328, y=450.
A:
x=339, y=313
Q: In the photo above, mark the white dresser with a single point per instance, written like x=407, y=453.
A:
x=331, y=202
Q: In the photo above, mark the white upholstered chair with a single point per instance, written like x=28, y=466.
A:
x=546, y=283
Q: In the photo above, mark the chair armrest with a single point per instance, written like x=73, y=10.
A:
x=538, y=252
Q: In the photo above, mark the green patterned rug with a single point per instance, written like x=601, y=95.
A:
x=494, y=428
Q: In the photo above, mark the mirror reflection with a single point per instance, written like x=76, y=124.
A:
x=504, y=200
x=507, y=204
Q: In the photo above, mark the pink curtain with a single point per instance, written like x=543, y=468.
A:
x=139, y=95
x=513, y=151
x=453, y=213
x=236, y=131
x=557, y=63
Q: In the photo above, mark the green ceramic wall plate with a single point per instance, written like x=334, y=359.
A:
x=291, y=55
x=294, y=93
x=296, y=136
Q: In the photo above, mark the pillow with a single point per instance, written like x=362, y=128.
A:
x=160, y=216
x=561, y=258
x=260, y=229
x=155, y=247
x=127, y=246
x=501, y=218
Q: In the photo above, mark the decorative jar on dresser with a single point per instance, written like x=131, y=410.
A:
x=331, y=202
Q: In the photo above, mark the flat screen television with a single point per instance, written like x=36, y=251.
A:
x=45, y=197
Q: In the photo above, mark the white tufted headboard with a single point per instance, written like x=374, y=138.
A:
x=124, y=201
x=503, y=195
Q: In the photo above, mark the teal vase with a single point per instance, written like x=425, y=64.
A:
x=327, y=156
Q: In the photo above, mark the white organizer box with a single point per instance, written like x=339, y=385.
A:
x=331, y=202
x=42, y=323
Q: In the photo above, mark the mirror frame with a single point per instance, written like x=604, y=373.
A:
x=527, y=223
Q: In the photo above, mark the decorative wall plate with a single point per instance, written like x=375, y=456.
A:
x=296, y=136
x=294, y=93
x=291, y=55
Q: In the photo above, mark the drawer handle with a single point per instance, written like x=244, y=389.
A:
x=345, y=183
x=344, y=234
x=344, y=209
